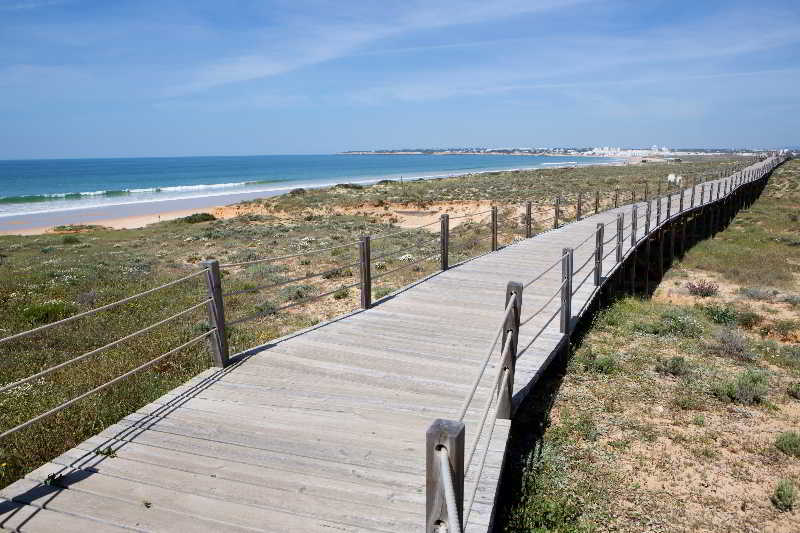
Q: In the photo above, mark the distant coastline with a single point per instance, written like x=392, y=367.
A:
x=470, y=152
x=164, y=200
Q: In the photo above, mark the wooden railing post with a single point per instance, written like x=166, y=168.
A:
x=702, y=193
x=634, y=225
x=494, y=228
x=620, y=224
x=646, y=192
x=579, y=206
x=598, y=254
x=648, y=212
x=444, y=241
x=616, y=197
x=680, y=200
x=566, y=289
x=218, y=341
x=658, y=210
x=366, y=272
x=596, y=202
x=669, y=205
x=444, y=435
x=528, y=220
x=510, y=335
x=556, y=213
x=694, y=188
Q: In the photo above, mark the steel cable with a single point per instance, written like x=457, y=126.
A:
x=100, y=349
x=102, y=308
x=105, y=385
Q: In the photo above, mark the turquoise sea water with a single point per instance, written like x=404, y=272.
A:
x=52, y=185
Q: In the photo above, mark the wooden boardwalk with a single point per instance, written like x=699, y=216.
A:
x=324, y=430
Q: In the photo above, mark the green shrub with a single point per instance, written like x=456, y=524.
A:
x=336, y=274
x=784, y=496
x=794, y=390
x=603, y=364
x=750, y=387
x=755, y=293
x=297, y=292
x=748, y=319
x=785, y=327
x=198, y=217
x=789, y=443
x=730, y=343
x=676, y=366
x=676, y=323
x=47, y=249
x=721, y=314
x=267, y=307
x=70, y=239
x=47, y=312
x=341, y=294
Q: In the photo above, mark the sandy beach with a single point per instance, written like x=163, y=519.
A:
x=137, y=215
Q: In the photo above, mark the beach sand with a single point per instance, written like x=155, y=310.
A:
x=129, y=216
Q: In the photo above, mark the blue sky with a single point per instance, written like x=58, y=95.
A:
x=202, y=77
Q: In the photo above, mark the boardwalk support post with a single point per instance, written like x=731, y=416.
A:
x=634, y=225
x=366, y=272
x=647, y=214
x=528, y=220
x=218, y=342
x=444, y=436
x=510, y=335
x=444, y=241
x=566, y=289
x=620, y=224
x=598, y=254
x=596, y=202
x=494, y=228
x=616, y=197
x=557, y=209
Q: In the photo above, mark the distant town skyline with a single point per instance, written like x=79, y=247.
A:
x=85, y=78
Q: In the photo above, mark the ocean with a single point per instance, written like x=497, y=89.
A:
x=51, y=185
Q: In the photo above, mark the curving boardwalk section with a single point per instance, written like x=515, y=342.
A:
x=324, y=430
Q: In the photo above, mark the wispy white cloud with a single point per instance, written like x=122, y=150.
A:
x=22, y=5
x=304, y=42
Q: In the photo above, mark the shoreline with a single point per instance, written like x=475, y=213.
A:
x=133, y=215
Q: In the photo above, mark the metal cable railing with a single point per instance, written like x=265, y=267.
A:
x=102, y=308
x=101, y=349
x=105, y=385
x=288, y=281
x=406, y=249
x=465, y=404
x=588, y=259
x=585, y=278
x=470, y=215
x=288, y=306
x=290, y=256
x=406, y=265
x=545, y=271
x=401, y=232
x=544, y=306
